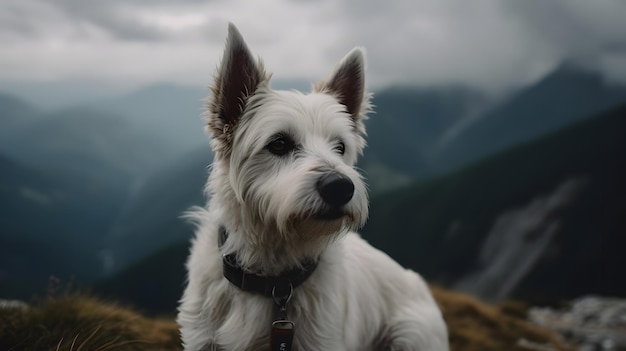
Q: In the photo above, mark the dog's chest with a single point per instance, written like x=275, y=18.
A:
x=248, y=325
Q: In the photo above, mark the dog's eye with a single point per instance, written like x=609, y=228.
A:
x=281, y=145
x=340, y=148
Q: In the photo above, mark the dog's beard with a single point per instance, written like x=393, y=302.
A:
x=264, y=246
x=299, y=227
x=312, y=226
x=291, y=204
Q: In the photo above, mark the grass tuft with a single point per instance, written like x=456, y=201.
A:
x=77, y=322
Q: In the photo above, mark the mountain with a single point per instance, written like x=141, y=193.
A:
x=56, y=95
x=542, y=220
x=65, y=178
x=89, y=142
x=407, y=127
x=88, y=170
x=154, y=283
x=417, y=133
x=152, y=219
x=48, y=227
x=14, y=115
x=566, y=95
x=170, y=111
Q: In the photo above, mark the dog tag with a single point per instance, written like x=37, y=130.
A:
x=281, y=338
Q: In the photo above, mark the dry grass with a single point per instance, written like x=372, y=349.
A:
x=76, y=322
x=476, y=326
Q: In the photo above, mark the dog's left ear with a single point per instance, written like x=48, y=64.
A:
x=347, y=83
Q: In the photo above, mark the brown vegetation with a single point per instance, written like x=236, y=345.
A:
x=476, y=326
x=75, y=322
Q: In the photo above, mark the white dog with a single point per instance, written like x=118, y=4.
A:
x=274, y=261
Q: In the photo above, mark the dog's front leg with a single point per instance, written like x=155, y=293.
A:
x=415, y=327
x=197, y=339
x=195, y=328
x=211, y=347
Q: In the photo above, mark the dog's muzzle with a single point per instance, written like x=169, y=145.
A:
x=335, y=189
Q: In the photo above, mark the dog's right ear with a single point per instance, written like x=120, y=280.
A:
x=238, y=77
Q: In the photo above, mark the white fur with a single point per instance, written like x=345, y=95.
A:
x=358, y=298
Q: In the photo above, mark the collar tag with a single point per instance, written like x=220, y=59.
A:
x=281, y=338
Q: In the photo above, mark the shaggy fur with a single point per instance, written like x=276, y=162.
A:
x=271, y=205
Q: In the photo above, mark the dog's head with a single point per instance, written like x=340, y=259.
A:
x=285, y=160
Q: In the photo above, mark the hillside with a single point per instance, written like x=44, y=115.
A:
x=154, y=284
x=65, y=177
x=45, y=227
x=88, y=142
x=173, y=112
x=566, y=95
x=151, y=219
x=412, y=120
x=548, y=212
x=14, y=115
x=418, y=133
x=60, y=323
x=80, y=322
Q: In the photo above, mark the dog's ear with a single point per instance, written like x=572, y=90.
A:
x=238, y=77
x=347, y=83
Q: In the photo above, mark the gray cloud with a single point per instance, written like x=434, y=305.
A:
x=574, y=26
x=589, y=33
x=118, y=18
x=110, y=16
x=491, y=44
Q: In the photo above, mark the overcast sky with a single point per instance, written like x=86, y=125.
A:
x=492, y=44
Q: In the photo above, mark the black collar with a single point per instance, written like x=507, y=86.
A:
x=270, y=286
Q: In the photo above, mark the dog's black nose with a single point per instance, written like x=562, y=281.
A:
x=335, y=188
